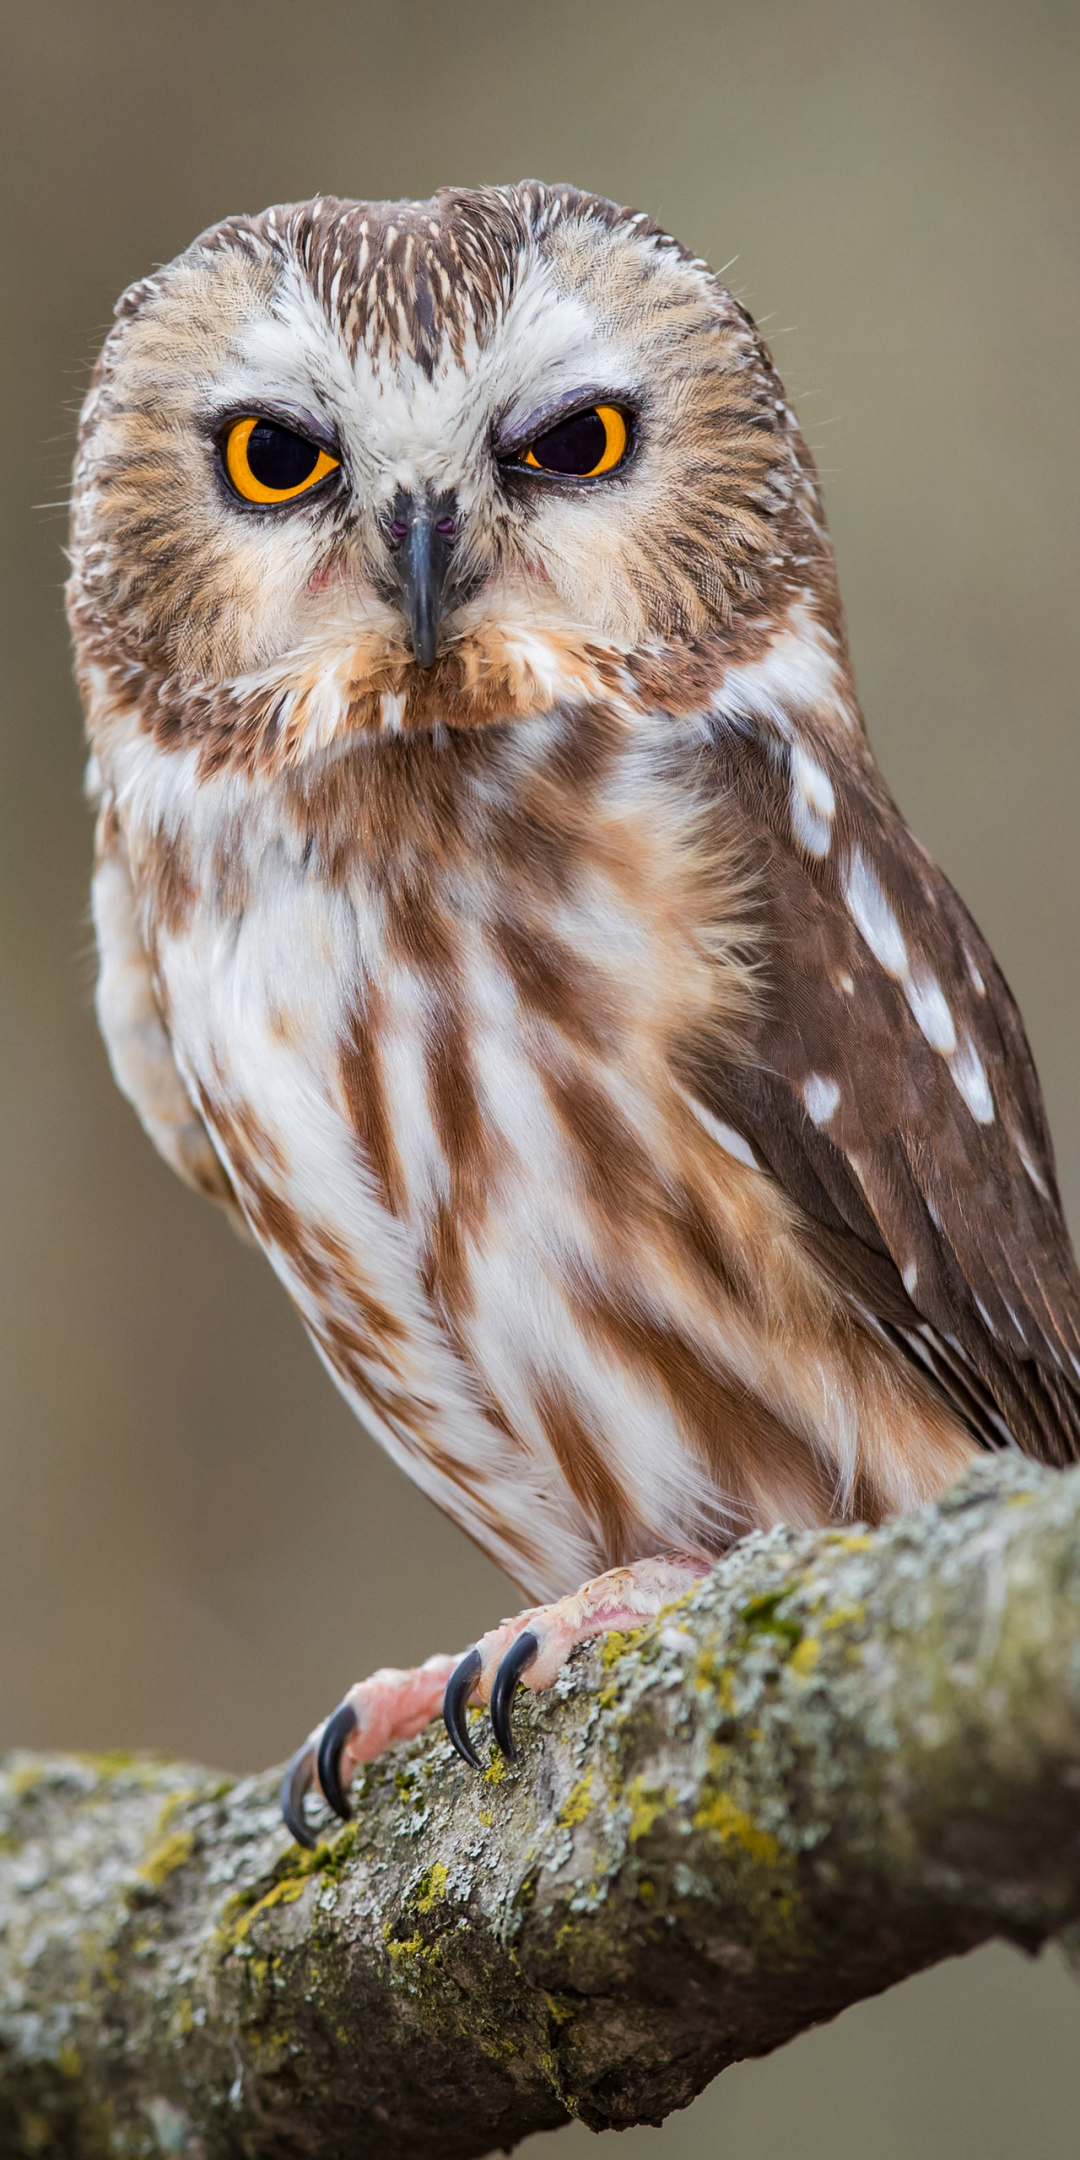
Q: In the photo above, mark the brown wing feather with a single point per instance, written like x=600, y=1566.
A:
x=942, y=1222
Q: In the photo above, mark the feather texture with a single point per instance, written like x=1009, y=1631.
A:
x=639, y=1124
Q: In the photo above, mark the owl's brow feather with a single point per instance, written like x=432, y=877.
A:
x=409, y=277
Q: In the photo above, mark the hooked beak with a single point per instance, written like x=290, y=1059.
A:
x=421, y=536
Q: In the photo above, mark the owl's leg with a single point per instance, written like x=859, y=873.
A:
x=531, y=1649
x=391, y=1705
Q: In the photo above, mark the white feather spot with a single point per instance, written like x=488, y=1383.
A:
x=1031, y=1166
x=974, y=974
x=813, y=803
x=821, y=1097
x=984, y=1316
x=846, y=983
x=910, y=1278
x=726, y=1136
x=874, y=917
x=969, y=1074
x=928, y=1003
x=735, y=1144
x=859, y=1168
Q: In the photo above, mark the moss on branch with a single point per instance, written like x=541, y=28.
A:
x=847, y=1755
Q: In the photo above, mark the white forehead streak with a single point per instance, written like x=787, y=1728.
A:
x=287, y=351
x=550, y=344
x=388, y=409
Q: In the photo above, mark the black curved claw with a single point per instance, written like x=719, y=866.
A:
x=504, y=1687
x=459, y=1687
x=333, y=1740
x=295, y=1783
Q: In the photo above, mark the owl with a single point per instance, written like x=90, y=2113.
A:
x=501, y=913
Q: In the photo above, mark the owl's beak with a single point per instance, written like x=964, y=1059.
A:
x=421, y=537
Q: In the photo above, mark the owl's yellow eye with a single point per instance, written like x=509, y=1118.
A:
x=269, y=464
x=590, y=443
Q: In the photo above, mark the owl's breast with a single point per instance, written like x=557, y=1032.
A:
x=444, y=1081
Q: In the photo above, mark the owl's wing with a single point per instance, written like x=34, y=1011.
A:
x=136, y=1039
x=891, y=1090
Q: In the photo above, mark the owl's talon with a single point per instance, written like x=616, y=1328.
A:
x=298, y=1779
x=337, y=1730
x=459, y=1687
x=504, y=1687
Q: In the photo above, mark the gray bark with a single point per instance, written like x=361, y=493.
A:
x=848, y=1755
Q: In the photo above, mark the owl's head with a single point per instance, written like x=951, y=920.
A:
x=381, y=463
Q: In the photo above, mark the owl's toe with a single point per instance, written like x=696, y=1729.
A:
x=336, y=1732
x=513, y=1663
x=462, y=1685
x=295, y=1785
x=392, y=1705
x=532, y=1649
x=459, y=1688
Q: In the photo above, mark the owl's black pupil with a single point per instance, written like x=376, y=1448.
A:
x=278, y=458
x=575, y=446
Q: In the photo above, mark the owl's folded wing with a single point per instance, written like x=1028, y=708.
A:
x=890, y=1088
x=129, y=1016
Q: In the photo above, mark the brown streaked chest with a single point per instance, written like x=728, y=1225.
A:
x=437, y=993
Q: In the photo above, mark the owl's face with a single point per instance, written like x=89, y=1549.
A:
x=348, y=440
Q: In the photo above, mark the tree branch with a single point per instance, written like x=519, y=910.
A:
x=847, y=1756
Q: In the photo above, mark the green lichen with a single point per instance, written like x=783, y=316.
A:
x=733, y=1826
x=711, y=1674
x=616, y=1644
x=431, y=1888
x=403, y=1950
x=762, y=1616
x=172, y=1853
x=292, y=1874
x=578, y=1803
x=646, y=1803
x=559, y=2007
x=805, y=1656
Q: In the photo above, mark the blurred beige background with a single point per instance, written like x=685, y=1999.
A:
x=198, y=1546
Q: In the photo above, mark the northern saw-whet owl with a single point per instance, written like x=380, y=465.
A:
x=500, y=909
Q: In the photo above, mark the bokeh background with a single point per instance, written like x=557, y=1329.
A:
x=198, y=1546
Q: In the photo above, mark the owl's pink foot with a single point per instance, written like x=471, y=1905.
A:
x=392, y=1705
x=530, y=1650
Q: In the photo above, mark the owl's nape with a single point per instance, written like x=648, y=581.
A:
x=529, y=1651
x=501, y=914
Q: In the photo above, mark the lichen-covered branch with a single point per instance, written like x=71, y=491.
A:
x=846, y=1756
